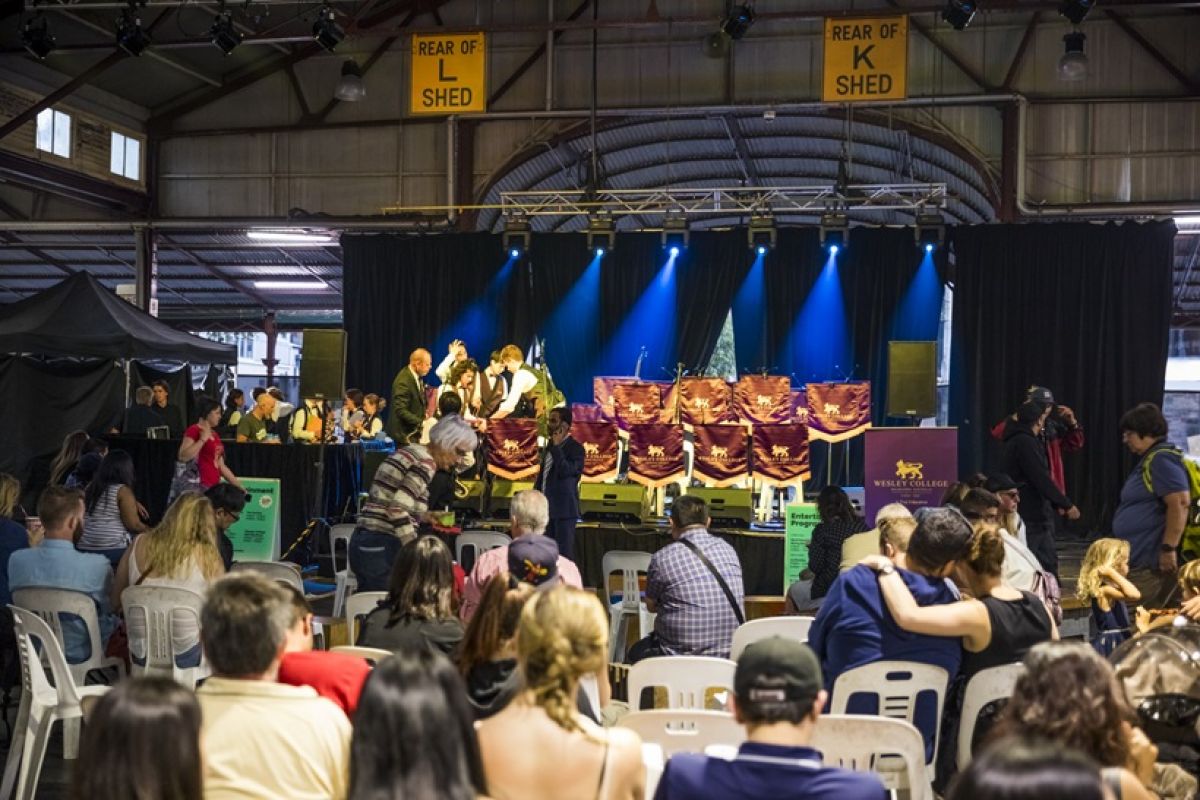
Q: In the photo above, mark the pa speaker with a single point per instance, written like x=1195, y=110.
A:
x=502, y=495
x=468, y=498
x=613, y=501
x=323, y=364
x=733, y=507
x=912, y=379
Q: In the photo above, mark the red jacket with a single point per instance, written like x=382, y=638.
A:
x=1069, y=442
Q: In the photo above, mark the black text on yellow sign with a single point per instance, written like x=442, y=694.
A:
x=449, y=74
x=865, y=59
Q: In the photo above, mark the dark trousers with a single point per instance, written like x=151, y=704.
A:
x=1159, y=589
x=371, y=558
x=562, y=531
x=1040, y=538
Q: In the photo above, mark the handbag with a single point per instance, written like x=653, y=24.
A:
x=737, y=610
x=186, y=479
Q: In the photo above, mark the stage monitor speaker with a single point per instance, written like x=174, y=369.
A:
x=471, y=503
x=614, y=501
x=732, y=507
x=502, y=495
x=912, y=379
x=323, y=364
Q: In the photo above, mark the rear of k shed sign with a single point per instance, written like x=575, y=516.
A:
x=865, y=59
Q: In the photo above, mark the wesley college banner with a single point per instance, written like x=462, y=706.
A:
x=913, y=466
x=722, y=454
x=599, y=440
x=655, y=454
x=513, y=448
x=838, y=411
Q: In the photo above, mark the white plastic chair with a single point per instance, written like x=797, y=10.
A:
x=373, y=655
x=41, y=705
x=282, y=571
x=986, y=686
x=686, y=679
x=359, y=605
x=896, y=684
x=685, y=730
x=749, y=632
x=478, y=542
x=50, y=604
x=160, y=609
x=868, y=744
x=346, y=583
x=655, y=762
x=628, y=563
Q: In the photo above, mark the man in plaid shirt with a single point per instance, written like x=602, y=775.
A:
x=695, y=616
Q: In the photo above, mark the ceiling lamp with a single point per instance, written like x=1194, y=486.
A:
x=223, y=35
x=516, y=235
x=760, y=234
x=959, y=13
x=835, y=230
x=36, y=37
x=1076, y=10
x=130, y=36
x=738, y=21
x=351, y=87
x=326, y=31
x=1073, y=66
x=601, y=233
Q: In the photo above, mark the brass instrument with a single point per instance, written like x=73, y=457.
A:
x=461, y=490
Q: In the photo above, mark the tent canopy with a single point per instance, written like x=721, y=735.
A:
x=79, y=317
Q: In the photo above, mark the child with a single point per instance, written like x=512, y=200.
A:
x=1102, y=580
x=1189, y=587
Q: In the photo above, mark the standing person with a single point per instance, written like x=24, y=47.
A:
x=1025, y=461
x=463, y=381
x=114, y=515
x=408, y=398
x=532, y=393
x=492, y=386
x=256, y=426
x=68, y=456
x=200, y=463
x=562, y=466
x=1153, y=509
x=352, y=414
x=310, y=421
x=1062, y=432
x=140, y=416
x=1103, y=582
x=456, y=355
x=172, y=415
x=232, y=414
x=839, y=521
x=371, y=426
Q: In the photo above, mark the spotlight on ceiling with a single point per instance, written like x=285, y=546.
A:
x=601, y=233
x=674, y=232
x=959, y=13
x=835, y=230
x=222, y=34
x=760, y=236
x=930, y=231
x=1073, y=66
x=738, y=21
x=326, y=31
x=1076, y=10
x=516, y=235
x=351, y=87
x=36, y=37
x=130, y=36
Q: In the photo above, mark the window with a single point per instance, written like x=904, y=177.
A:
x=54, y=132
x=126, y=156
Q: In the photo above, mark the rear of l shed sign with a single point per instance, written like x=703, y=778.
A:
x=865, y=59
x=449, y=74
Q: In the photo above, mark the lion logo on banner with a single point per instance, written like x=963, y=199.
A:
x=511, y=446
x=763, y=401
x=802, y=414
x=780, y=451
x=833, y=410
x=716, y=451
x=701, y=402
x=655, y=451
x=910, y=470
x=637, y=408
x=591, y=449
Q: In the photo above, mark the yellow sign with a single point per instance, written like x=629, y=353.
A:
x=449, y=74
x=865, y=59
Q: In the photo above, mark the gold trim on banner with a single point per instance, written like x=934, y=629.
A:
x=719, y=484
x=778, y=484
x=514, y=476
x=652, y=483
x=833, y=438
x=601, y=478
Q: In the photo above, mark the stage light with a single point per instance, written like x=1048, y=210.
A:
x=959, y=13
x=222, y=33
x=514, y=253
x=601, y=233
x=1076, y=10
x=1073, y=66
x=516, y=235
x=762, y=251
x=738, y=21
x=326, y=31
x=835, y=227
x=930, y=231
x=130, y=36
x=674, y=232
x=36, y=37
x=600, y=252
x=350, y=87
x=760, y=236
x=833, y=249
x=928, y=248
x=674, y=251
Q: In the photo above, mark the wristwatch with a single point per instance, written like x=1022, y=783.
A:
x=888, y=569
x=1167, y=548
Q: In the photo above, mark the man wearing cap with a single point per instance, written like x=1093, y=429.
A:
x=1062, y=432
x=778, y=697
x=530, y=513
x=1021, y=565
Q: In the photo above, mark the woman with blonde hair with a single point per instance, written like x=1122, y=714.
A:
x=13, y=536
x=539, y=747
x=181, y=553
x=1103, y=581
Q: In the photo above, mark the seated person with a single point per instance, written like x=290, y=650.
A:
x=13, y=535
x=140, y=417
x=261, y=738
x=336, y=676
x=228, y=501
x=1189, y=589
x=418, y=610
x=864, y=544
x=487, y=658
x=1019, y=768
x=256, y=425
x=56, y=564
x=778, y=697
x=891, y=541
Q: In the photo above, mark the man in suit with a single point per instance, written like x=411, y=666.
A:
x=408, y=398
x=562, y=464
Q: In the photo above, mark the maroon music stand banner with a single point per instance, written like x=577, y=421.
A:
x=655, y=454
x=513, y=448
x=913, y=466
x=704, y=401
x=637, y=403
x=722, y=454
x=602, y=394
x=587, y=412
x=799, y=406
x=781, y=454
x=599, y=440
x=763, y=399
x=838, y=411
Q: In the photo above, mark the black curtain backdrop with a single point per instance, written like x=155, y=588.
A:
x=1081, y=308
x=711, y=271
x=790, y=270
x=180, y=391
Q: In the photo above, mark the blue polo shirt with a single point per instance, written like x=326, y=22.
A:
x=1141, y=517
x=764, y=772
x=56, y=564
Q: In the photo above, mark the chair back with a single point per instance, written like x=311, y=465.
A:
x=50, y=605
x=897, y=685
x=628, y=563
x=477, y=542
x=158, y=610
x=373, y=655
x=864, y=744
x=749, y=632
x=29, y=626
x=359, y=605
x=684, y=730
x=985, y=686
x=282, y=571
x=687, y=679
x=655, y=761
x=340, y=533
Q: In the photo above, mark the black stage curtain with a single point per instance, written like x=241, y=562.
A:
x=790, y=270
x=1083, y=309
x=711, y=271
x=625, y=276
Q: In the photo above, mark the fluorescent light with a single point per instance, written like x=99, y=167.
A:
x=293, y=286
x=291, y=237
x=1189, y=221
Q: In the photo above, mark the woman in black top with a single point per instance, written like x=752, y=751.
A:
x=418, y=611
x=839, y=521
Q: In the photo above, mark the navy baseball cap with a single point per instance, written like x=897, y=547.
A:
x=533, y=558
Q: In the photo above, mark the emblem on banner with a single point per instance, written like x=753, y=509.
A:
x=802, y=414
x=701, y=402
x=763, y=401
x=655, y=451
x=716, y=451
x=637, y=408
x=833, y=409
x=910, y=470
x=511, y=446
x=591, y=449
x=780, y=451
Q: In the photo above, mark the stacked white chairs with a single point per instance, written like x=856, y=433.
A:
x=788, y=627
x=628, y=563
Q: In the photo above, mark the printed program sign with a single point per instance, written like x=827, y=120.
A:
x=913, y=466
x=800, y=521
x=256, y=534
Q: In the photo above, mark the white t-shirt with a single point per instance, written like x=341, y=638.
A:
x=1020, y=564
x=524, y=381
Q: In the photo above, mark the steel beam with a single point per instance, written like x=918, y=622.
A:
x=66, y=90
x=533, y=57
x=146, y=269
x=1019, y=56
x=378, y=53
x=1152, y=50
x=35, y=174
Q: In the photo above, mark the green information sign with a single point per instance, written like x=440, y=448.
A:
x=801, y=519
x=255, y=536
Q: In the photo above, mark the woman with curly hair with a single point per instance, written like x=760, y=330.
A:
x=540, y=747
x=1069, y=695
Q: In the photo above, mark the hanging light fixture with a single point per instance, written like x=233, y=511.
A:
x=1073, y=66
x=959, y=13
x=351, y=88
x=36, y=37
x=222, y=34
x=130, y=36
x=326, y=31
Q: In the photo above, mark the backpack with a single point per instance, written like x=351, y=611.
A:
x=1190, y=544
x=1046, y=587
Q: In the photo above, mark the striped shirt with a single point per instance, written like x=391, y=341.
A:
x=399, y=494
x=694, y=615
x=102, y=526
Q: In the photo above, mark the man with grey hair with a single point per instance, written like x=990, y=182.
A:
x=530, y=514
x=140, y=417
x=262, y=738
x=399, y=499
x=861, y=545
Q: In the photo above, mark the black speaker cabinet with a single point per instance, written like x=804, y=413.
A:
x=502, y=495
x=323, y=364
x=613, y=501
x=912, y=379
x=733, y=507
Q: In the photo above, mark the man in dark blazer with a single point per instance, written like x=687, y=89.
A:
x=562, y=464
x=408, y=398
